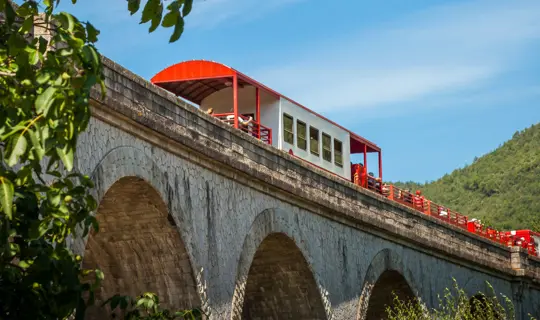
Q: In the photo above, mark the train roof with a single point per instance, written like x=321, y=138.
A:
x=195, y=80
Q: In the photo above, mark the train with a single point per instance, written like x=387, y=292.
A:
x=285, y=124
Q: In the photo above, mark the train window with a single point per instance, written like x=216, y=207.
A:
x=288, y=132
x=301, y=134
x=314, y=140
x=326, y=147
x=338, y=153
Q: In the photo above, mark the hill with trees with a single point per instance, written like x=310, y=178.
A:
x=502, y=187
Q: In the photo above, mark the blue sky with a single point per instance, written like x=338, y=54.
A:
x=434, y=83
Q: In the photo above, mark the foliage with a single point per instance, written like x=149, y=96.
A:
x=147, y=307
x=455, y=304
x=502, y=186
x=153, y=13
x=44, y=105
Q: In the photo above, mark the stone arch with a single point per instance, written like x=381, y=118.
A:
x=275, y=277
x=386, y=275
x=139, y=246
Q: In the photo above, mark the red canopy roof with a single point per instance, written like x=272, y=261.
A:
x=197, y=79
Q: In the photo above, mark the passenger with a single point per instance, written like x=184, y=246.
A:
x=371, y=181
x=490, y=232
x=442, y=212
x=478, y=225
x=386, y=190
x=509, y=240
x=408, y=196
x=378, y=185
x=524, y=243
x=245, y=124
x=250, y=126
x=363, y=177
x=531, y=247
x=419, y=201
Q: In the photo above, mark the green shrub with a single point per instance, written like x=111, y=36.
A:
x=48, y=66
x=455, y=304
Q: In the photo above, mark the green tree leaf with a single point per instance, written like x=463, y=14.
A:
x=26, y=9
x=36, y=144
x=91, y=56
x=6, y=196
x=178, y=29
x=188, y=5
x=18, y=150
x=150, y=10
x=27, y=25
x=34, y=57
x=170, y=19
x=66, y=155
x=38, y=229
x=68, y=20
x=133, y=6
x=45, y=100
x=92, y=32
x=156, y=18
x=9, y=12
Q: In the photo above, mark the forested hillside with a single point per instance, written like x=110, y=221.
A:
x=502, y=187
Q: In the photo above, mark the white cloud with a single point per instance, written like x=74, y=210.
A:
x=204, y=14
x=438, y=51
x=123, y=33
x=211, y=13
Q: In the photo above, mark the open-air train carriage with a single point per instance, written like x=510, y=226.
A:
x=268, y=115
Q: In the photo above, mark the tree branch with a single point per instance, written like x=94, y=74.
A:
x=7, y=74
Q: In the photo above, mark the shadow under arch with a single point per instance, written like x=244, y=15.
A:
x=385, y=277
x=139, y=246
x=484, y=307
x=275, y=278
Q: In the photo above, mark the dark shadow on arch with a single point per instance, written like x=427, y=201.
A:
x=385, y=274
x=481, y=307
x=280, y=284
x=139, y=249
x=390, y=284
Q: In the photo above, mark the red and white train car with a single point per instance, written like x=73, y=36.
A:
x=268, y=115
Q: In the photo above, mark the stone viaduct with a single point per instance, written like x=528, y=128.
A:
x=205, y=215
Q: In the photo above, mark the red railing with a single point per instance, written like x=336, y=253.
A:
x=254, y=128
x=405, y=197
x=420, y=203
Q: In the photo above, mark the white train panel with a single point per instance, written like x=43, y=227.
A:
x=314, y=139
